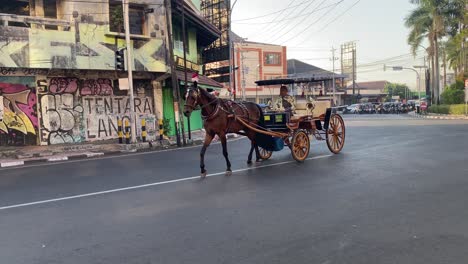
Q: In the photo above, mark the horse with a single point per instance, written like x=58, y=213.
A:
x=219, y=118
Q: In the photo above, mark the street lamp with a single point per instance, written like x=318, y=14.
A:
x=400, y=68
x=419, y=85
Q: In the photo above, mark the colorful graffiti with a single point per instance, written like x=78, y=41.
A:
x=63, y=85
x=70, y=110
x=18, y=118
x=97, y=87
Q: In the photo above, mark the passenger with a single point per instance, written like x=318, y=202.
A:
x=285, y=101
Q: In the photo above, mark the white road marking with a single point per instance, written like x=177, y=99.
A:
x=14, y=167
x=148, y=185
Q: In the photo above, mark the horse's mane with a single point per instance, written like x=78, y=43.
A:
x=207, y=94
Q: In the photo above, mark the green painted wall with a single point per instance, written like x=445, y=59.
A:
x=196, y=122
x=192, y=44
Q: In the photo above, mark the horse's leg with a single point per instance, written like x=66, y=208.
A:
x=223, y=139
x=257, y=153
x=253, y=146
x=206, y=143
x=249, y=158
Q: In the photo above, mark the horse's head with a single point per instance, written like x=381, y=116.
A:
x=192, y=99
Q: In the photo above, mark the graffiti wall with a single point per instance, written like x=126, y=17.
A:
x=102, y=113
x=74, y=110
x=18, y=111
x=61, y=112
x=69, y=110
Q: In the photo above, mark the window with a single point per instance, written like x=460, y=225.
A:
x=50, y=11
x=15, y=8
x=179, y=41
x=136, y=18
x=272, y=58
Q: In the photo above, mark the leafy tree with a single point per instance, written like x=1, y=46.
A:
x=432, y=20
x=397, y=89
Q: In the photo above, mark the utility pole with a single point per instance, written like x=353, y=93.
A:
x=175, y=86
x=234, y=71
x=354, y=73
x=243, y=75
x=184, y=40
x=129, y=50
x=334, y=82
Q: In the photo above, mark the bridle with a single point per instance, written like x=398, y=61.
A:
x=193, y=106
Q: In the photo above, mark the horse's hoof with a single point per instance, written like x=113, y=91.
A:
x=228, y=173
x=203, y=175
x=249, y=162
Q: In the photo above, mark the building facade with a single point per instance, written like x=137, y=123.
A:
x=256, y=61
x=58, y=80
x=199, y=34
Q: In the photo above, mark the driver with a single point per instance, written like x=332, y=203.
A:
x=285, y=101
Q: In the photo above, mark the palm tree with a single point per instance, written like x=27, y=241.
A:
x=420, y=23
x=434, y=19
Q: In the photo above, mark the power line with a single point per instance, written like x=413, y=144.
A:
x=274, y=21
x=264, y=29
x=297, y=24
x=333, y=20
x=286, y=25
x=339, y=16
x=317, y=20
x=269, y=14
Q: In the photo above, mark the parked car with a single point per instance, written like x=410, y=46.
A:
x=352, y=109
x=342, y=109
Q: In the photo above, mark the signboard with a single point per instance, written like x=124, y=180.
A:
x=190, y=65
x=423, y=106
x=123, y=84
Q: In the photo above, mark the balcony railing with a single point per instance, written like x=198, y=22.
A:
x=7, y=19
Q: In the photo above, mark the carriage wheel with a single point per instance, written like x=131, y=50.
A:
x=300, y=146
x=336, y=134
x=264, y=154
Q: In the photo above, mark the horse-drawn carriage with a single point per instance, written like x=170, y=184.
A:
x=279, y=128
x=268, y=131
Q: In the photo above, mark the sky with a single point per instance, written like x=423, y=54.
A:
x=310, y=28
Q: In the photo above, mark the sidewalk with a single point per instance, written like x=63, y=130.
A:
x=22, y=155
x=439, y=116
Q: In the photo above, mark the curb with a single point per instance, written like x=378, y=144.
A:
x=28, y=159
x=442, y=117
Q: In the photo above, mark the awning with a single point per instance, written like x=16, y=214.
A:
x=203, y=81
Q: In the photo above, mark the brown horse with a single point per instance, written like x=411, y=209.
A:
x=219, y=119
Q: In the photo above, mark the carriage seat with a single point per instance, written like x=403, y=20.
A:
x=302, y=110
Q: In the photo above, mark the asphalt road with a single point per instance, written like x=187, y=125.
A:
x=396, y=194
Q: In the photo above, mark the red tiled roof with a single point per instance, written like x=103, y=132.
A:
x=201, y=79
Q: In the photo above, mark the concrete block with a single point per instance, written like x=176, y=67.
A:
x=94, y=154
x=58, y=158
x=11, y=163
